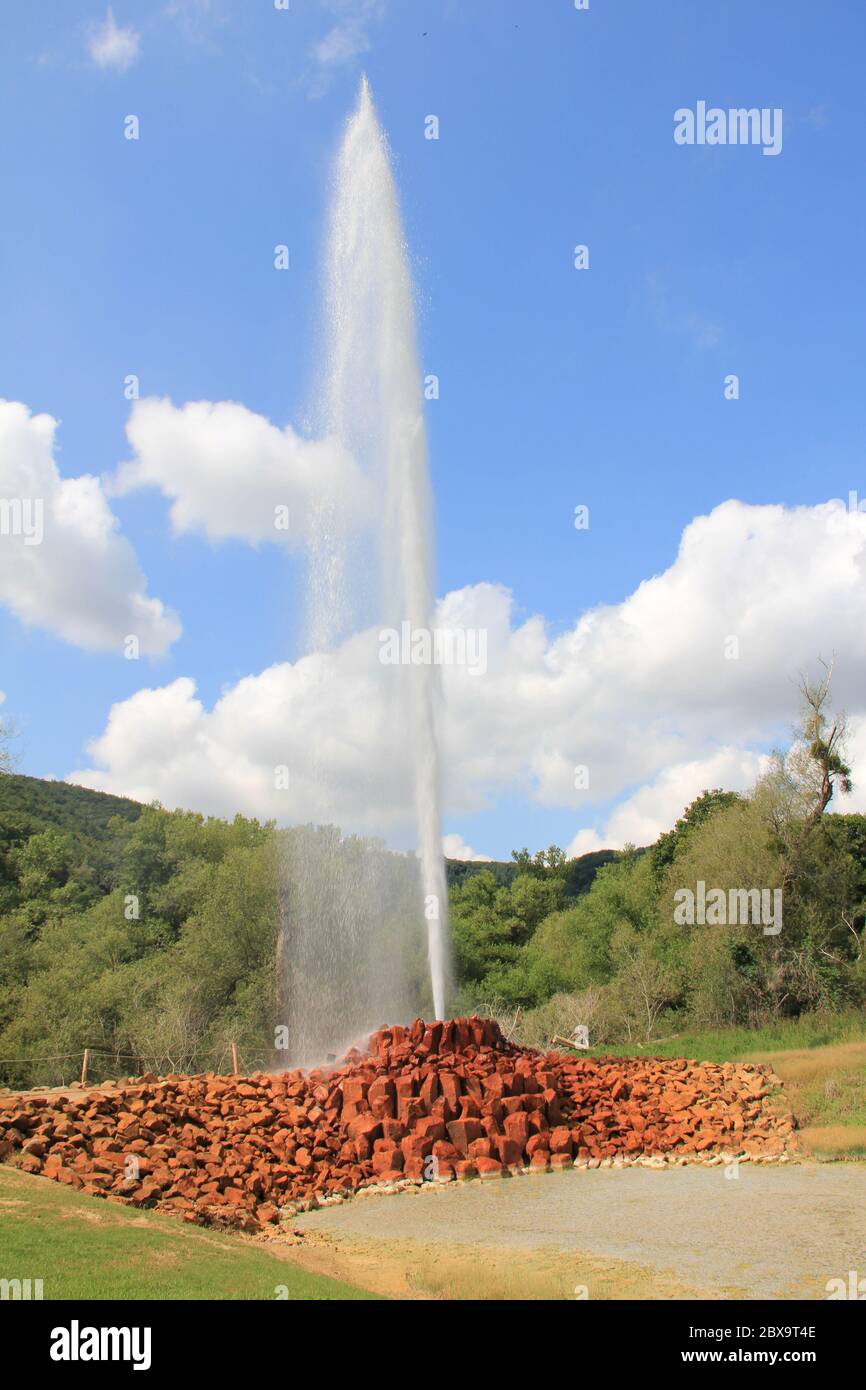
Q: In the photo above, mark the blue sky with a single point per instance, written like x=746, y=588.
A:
x=558, y=387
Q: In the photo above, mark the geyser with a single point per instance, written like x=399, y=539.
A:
x=351, y=911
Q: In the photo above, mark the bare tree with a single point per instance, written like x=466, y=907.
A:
x=7, y=760
x=824, y=740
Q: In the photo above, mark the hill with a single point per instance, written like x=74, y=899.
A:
x=30, y=805
x=578, y=874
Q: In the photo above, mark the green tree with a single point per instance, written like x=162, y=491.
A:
x=645, y=984
x=543, y=864
x=696, y=814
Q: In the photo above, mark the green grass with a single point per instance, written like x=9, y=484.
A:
x=737, y=1044
x=87, y=1248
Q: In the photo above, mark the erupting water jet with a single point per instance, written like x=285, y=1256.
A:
x=337, y=981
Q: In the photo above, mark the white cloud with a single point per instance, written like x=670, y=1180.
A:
x=79, y=578
x=641, y=818
x=639, y=692
x=455, y=847
x=111, y=46
x=196, y=19
x=227, y=470
x=344, y=42
x=856, y=799
x=687, y=323
x=326, y=719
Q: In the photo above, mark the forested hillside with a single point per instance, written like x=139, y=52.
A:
x=62, y=805
x=146, y=935
x=150, y=936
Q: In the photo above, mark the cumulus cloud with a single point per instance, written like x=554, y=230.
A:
x=683, y=685
x=64, y=566
x=640, y=818
x=455, y=847
x=316, y=740
x=230, y=473
x=111, y=46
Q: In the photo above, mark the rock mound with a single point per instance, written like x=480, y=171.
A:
x=432, y=1102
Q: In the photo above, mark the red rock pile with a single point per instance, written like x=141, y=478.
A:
x=434, y=1101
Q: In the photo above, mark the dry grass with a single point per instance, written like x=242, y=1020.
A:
x=834, y=1141
x=808, y=1064
x=412, y=1269
x=825, y=1087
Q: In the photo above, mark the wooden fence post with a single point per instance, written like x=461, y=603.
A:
x=235, y=1067
x=84, y=1062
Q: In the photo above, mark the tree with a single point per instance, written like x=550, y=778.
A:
x=7, y=760
x=549, y=863
x=797, y=787
x=824, y=737
x=731, y=971
x=488, y=925
x=644, y=985
x=44, y=864
x=741, y=973
x=696, y=814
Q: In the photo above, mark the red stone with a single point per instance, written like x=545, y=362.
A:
x=430, y=1128
x=449, y=1085
x=480, y=1148
x=560, y=1140
x=387, y=1160
x=416, y=1146
x=516, y=1126
x=488, y=1167
x=382, y=1098
x=462, y=1132
x=538, y=1143
x=410, y=1110
x=364, y=1126
x=509, y=1153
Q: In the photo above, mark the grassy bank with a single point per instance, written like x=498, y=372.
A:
x=87, y=1248
x=737, y=1044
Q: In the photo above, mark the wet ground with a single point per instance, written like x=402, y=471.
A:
x=770, y=1232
